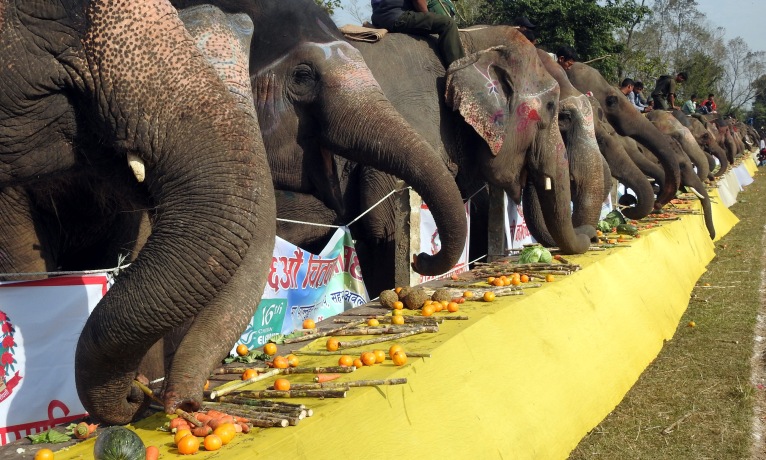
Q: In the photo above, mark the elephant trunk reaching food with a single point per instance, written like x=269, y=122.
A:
x=377, y=138
x=208, y=205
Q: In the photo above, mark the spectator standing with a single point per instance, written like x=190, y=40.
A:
x=664, y=93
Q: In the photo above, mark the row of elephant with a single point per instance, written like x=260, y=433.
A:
x=177, y=133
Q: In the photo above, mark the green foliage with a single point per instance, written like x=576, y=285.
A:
x=758, y=111
x=587, y=25
x=705, y=74
x=329, y=5
x=48, y=437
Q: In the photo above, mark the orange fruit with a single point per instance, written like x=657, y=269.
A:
x=394, y=348
x=397, y=290
x=399, y=358
x=549, y=278
x=292, y=360
x=249, y=373
x=452, y=307
x=516, y=281
x=44, y=454
x=281, y=384
x=368, y=358
x=345, y=361
x=498, y=282
x=309, y=323
x=489, y=296
x=467, y=294
x=507, y=281
x=611, y=241
x=212, y=442
x=428, y=302
x=372, y=322
x=491, y=279
x=332, y=344
x=358, y=363
x=438, y=307
x=398, y=305
x=398, y=320
x=397, y=313
x=380, y=356
x=427, y=310
x=242, y=349
x=270, y=348
x=207, y=385
x=180, y=434
x=280, y=362
x=226, y=432
x=189, y=444
x=524, y=279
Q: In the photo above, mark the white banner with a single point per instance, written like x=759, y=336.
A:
x=431, y=244
x=40, y=322
x=516, y=231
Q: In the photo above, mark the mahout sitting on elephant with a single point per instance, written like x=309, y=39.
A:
x=89, y=88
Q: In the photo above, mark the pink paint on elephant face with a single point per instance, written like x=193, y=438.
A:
x=526, y=114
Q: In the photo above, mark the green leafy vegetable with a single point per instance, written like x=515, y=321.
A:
x=51, y=437
x=534, y=254
x=627, y=229
x=611, y=220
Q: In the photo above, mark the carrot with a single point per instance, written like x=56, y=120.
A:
x=203, y=417
x=201, y=431
x=244, y=426
x=216, y=422
x=238, y=428
x=152, y=453
x=321, y=378
x=176, y=422
x=241, y=419
x=215, y=413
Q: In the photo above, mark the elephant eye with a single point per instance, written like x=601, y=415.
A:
x=611, y=101
x=303, y=81
x=551, y=106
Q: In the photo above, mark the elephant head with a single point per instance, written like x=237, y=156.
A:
x=667, y=123
x=706, y=140
x=317, y=101
x=509, y=98
x=101, y=84
x=627, y=121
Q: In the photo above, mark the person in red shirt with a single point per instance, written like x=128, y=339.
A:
x=709, y=104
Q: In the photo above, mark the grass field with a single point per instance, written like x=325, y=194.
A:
x=698, y=398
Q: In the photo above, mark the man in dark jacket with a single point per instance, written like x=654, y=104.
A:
x=413, y=17
x=664, y=94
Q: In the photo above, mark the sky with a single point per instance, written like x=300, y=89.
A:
x=739, y=18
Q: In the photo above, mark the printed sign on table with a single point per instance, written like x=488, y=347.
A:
x=40, y=322
x=431, y=244
x=302, y=285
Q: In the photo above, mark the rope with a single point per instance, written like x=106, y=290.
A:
x=114, y=271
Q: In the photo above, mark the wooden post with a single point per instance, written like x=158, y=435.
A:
x=496, y=224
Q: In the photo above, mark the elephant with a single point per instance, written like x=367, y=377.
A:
x=669, y=124
x=622, y=166
x=627, y=121
x=506, y=96
x=705, y=139
x=320, y=108
x=110, y=110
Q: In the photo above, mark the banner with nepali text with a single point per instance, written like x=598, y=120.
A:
x=40, y=322
x=302, y=285
x=430, y=243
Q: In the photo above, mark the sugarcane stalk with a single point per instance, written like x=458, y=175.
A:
x=229, y=387
x=385, y=338
x=387, y=319
x=318, y=334
x=248, y=412
x=319, y=370
x=179, y=412
x=297, y=394
x=241, y=399
x=341, y=352
x=353, y=383
x=235, y=370
x=385, y=330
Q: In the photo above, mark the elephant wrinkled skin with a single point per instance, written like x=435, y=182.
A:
x=78, y=105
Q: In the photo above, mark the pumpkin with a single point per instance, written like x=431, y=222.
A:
x=119, y=443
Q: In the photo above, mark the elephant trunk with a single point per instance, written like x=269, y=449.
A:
x=549, y=174
x=625, y=170
x=208, y=183
x=715, y=150
x=364, y=127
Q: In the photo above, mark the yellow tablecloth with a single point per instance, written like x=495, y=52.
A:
x=526, y=377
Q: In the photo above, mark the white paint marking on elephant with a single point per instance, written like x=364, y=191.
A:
x=581, y=104
x=137, y=166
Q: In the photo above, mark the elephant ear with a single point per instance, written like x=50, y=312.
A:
x=478, y=86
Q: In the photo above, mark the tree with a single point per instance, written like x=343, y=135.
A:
x=742, y=67
x=758, y=111
x=329, y=5
x=588, y=25
x=357, y=11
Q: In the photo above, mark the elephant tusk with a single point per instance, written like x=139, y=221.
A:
x=137, y=166
x=694, y=191
x=547, y=183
